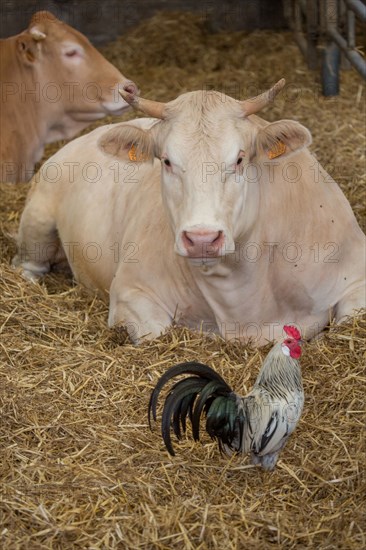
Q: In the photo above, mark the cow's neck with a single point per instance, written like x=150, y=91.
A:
x=20, y=117
x=222, y=284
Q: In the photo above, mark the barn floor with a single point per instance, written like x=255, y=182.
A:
x=79, y=466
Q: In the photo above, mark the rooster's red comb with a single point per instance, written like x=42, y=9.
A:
x=292, y=331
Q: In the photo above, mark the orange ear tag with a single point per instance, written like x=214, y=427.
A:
x=132, y=155
x=277, y=150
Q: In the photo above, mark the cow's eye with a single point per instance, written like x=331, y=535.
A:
x=240, y=157
x=71, y=53
x=167, y=162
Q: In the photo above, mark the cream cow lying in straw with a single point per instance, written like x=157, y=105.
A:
x=205, y=215
x=54, y=83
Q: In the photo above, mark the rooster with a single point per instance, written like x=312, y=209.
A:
x=259, y=423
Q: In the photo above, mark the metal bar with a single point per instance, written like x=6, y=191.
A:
x=354, y=57
x=331, y=53
x=351, y=29
x=331, y=13
x=358, y=7
x=297, y=30
x=297, y=18
x=330, y=69
x=348, y=19
x=303, y=5
x=287, y=11
x=301, y=42
x=312, y=33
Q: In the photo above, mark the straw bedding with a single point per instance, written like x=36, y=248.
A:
x=79, y=465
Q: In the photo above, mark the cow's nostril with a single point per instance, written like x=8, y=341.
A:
x=131, y=88
x=189, y=241
x=219, y=234
x=200, y=238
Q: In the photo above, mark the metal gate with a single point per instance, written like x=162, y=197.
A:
x=324, y=30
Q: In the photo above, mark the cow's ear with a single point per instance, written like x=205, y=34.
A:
x=281, y=138
x=28, y=45
x=128, y=143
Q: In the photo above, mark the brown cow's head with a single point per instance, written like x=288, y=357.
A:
x=210, y=152
x=71, y=78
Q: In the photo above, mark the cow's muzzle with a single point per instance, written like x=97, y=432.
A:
x=117, y=105
x=203, y=243
x=130, y=87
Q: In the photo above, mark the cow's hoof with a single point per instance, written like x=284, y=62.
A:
x=30, y=270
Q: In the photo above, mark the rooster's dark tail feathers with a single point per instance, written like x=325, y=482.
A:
x=204, y=392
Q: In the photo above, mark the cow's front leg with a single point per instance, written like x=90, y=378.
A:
x=143, y=318
x=38, y=242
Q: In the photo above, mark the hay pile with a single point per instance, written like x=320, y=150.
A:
x=80, y=468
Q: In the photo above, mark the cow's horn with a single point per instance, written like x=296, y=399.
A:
x=255, y=104
x=151, y=108
x=36, y=34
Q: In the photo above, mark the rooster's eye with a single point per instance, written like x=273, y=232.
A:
x=167, y=162
x=239, y=161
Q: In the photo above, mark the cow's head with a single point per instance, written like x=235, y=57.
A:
x=209, y=150
x=69, y=74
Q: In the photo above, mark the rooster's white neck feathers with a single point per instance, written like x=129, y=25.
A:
x=279, y=371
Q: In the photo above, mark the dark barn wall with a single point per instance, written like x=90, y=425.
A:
x=103, y=21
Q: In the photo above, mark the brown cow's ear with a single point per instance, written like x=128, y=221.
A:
x=28, y=47
x=128, y=143
x=281, y=139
